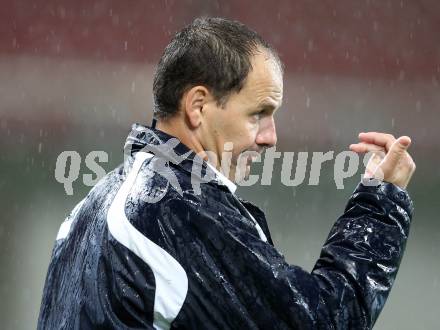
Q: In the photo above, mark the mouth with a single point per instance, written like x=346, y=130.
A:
x=249, y=156
x=253, y=158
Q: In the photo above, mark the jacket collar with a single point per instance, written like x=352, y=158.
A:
x=223, y=179
x=159, y=143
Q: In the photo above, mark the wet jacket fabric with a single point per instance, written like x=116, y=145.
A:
x=155, y=244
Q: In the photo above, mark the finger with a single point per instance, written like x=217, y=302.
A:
x=373, y=164
x=405, y=140
x=396, y=152
x=363, y=147
x=380, y=139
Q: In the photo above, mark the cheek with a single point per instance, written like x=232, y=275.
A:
x=249, y=134
x=252, y=132
x=244, y=140
x=242, y=132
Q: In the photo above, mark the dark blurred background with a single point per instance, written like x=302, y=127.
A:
x=74, y=75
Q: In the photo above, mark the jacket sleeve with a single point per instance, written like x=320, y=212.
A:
x=350, y=282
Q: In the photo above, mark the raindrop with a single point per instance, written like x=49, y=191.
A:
x=310, y=45
x=62, y=12
x=418, y=106
x=375, y=26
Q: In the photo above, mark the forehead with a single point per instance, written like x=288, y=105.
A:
x=265, y=81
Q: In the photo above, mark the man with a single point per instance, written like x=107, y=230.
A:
x=163, y=241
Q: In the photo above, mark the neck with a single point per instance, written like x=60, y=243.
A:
x=178, y=128
x=187, y=136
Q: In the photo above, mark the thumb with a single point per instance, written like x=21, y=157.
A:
x=404, y=141
x=396, y=151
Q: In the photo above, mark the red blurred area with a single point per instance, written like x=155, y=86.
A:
x=361, y=38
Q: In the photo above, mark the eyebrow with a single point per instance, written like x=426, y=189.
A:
x=270, y=105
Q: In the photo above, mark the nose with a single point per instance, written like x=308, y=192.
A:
x=267, y=135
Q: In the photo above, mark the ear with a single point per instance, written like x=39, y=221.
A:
x=193, y=103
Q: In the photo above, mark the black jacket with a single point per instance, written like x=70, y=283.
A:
x=146, y=248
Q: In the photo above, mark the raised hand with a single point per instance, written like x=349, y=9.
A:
x=390, y=161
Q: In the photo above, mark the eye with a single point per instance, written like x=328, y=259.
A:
x=259, y=114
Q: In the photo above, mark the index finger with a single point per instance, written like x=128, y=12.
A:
x=380, y=139
x=363, y=147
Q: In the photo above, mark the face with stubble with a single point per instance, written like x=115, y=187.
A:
x=243, y=127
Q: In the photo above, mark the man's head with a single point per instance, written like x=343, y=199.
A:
x=219, y=82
